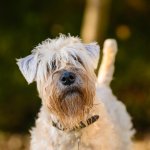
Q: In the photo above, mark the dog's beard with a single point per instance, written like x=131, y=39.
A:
x=70, y=104
x=71, y=107
x=72, y=101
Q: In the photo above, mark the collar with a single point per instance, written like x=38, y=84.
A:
x=81, y=125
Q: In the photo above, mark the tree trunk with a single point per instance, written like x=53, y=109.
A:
x=95, y=20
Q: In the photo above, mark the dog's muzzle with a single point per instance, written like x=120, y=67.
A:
x=70, y=91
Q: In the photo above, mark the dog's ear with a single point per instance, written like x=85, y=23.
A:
x=28, y=67
x=93, y=51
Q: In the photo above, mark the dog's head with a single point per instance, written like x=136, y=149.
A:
x=64, y=71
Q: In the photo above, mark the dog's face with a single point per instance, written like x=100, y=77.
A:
x=64, y=72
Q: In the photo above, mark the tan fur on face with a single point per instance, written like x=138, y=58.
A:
x=70, y=104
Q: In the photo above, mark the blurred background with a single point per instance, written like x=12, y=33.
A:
x=25, y=23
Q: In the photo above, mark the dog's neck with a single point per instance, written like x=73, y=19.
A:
x=81, y=124
x=53, y=121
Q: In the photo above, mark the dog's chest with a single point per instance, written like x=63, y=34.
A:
x=69, y=141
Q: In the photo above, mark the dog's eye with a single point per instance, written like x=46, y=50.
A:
x=78, y=59
x=53, y=64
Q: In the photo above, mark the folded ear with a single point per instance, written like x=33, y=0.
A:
x=93, y=51
x=28, y=67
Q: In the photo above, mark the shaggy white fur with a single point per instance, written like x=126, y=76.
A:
x=112, y=131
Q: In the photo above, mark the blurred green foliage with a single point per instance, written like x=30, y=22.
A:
x=23, y=24
x=132, y=77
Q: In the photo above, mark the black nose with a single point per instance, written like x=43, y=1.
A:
x=67, y=78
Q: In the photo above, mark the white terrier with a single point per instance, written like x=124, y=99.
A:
x=78, y=111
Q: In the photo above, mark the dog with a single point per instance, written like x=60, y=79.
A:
x=79, y=110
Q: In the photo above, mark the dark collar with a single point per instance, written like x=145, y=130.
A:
x=81, y=125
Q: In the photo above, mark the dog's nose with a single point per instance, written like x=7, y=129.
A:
x=67, y=78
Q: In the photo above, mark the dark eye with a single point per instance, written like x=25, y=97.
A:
x=77, y=58
x=53, y=65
